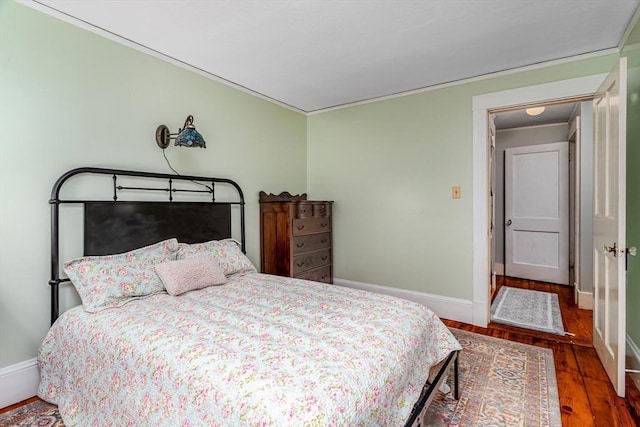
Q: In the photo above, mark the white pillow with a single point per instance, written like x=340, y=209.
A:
x=113, y=280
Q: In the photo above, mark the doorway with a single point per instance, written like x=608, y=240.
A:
x=482, y=105
x=610, y=87
x=533, y=191
x=538, y=188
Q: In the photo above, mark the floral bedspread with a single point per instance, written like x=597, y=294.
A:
x=260, y=350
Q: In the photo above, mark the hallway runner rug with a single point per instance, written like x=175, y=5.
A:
x=502, y=383
x=524, y=308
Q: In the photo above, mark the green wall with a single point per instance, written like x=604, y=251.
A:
x=71, y=98
x=390, y=166
x=631, y=50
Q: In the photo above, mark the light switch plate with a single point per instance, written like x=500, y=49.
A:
x=456, y=192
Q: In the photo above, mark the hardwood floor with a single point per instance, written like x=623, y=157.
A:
x=585, y=393
x=19, y=404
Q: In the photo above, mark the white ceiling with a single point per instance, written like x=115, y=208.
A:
x=316, y=54
x=554, y=113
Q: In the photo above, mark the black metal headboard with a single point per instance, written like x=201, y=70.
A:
x=114, y=226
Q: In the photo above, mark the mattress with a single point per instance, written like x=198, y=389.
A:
x=259, y=350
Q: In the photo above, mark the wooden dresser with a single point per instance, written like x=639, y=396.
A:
x=295, y=237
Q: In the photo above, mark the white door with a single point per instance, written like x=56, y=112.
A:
x=537, y=212
x=609, y=198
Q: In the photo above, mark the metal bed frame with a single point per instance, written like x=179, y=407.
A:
x=99, y=232
x=108, y=229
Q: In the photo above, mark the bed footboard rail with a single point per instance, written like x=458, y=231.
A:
x=428, y=391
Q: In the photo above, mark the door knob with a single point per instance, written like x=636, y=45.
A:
x=509, y=222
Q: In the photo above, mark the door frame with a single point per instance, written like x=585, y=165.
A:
x=482, y=105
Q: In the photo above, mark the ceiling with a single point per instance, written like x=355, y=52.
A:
x=553, y=113
x=317, y=54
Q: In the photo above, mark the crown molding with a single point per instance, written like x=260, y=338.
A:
x=482, y=77
x=34, y=4
x=625, y=36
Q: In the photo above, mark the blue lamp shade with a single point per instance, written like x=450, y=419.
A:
x=188, y=136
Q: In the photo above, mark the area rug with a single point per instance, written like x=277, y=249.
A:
x=502, y=383
x=38, y=413
x=528, y=309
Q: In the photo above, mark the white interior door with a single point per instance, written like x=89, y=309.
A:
x=609, y=158
x=537, y=212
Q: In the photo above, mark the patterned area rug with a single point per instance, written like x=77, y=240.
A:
x=38, y=413
x=528, y=309
x=502, y=383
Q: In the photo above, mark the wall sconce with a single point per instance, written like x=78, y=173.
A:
x=188, y=136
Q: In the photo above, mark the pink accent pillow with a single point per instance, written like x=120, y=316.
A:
x=185, y=275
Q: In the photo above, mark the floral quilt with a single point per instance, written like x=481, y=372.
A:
x=259, y=350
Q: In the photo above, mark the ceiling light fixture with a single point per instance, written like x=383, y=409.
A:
x=535, y=111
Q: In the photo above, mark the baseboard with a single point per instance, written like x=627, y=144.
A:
x=633, y=360
x=19, y=382
x=445, y=307
x=584, y=299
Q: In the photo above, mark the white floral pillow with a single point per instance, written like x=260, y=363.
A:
x=227, y=252
x=113, y=280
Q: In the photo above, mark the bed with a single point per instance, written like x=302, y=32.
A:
x=243, y=349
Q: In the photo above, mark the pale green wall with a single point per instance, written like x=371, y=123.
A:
x=631, y=50
x=390, y=166
x=70, y=98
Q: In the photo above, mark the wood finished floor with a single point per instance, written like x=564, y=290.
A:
x=585, y=393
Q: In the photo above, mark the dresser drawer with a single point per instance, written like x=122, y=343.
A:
x=322, y=274
x=311, y=242
x=311, y=260
x=303, y=210
x=321, y=210
x=311, y=225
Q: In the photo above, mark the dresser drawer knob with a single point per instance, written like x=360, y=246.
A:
x=324, y=224
x=300, y=227
x=300, y=264
x=324, y=258
x=300, y=245
x=324, y=240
